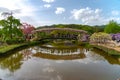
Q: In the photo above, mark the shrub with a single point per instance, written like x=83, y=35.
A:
x=14, y=41
x=100, y=37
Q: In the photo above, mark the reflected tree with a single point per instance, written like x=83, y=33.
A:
x=12, y=62
x=27, y=53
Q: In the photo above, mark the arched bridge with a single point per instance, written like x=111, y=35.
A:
x=58, y=33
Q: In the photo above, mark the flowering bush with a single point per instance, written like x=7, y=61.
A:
x=100, y=38
x=116, y=37
x=83, y=38
x=27, y=30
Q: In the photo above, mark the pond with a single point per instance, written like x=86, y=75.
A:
x=48, y=63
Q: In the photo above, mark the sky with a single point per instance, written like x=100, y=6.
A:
x=49, y=12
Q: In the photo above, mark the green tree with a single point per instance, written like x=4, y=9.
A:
x=112, y=27
x=10, y=28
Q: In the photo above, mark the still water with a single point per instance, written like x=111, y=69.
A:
x=47, y=63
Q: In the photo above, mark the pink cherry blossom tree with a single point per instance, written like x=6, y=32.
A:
x=27, y=30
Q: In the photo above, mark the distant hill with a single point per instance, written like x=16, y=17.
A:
x=90, y=29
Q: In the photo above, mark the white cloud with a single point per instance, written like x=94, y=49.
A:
x=113, y=18
x=47, y=5
x=2, y=9
x=48, y=1
x=115, y=12
x=59, y=10
x=93, y=16
x=88, y=16
x=22, y=9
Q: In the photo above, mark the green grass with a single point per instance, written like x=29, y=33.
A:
x=8, y=48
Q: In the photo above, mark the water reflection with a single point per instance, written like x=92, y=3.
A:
x=59, y=54
x=109, y=58
x=12, y=63
x=43, y=63
x=57, y=51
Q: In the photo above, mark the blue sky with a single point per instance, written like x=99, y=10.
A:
x=48, y=12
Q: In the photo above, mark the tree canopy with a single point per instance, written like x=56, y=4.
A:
x=10, y=28
x=112, y=27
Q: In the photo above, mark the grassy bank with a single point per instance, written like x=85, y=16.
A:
x=7, y=48
x=4, y=50
x=109, y=50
